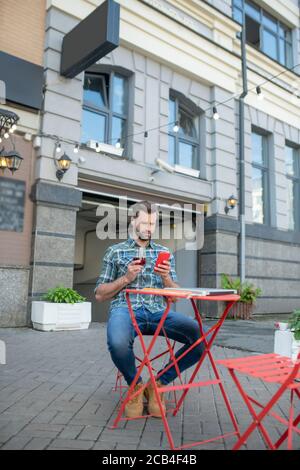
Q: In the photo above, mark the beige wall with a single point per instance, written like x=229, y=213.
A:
x=16, y=246
x=23, y=28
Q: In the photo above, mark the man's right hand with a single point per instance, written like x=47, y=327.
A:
x=134, y=268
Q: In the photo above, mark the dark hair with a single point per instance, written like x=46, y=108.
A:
x=143, y=206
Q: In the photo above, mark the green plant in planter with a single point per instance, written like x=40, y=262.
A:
x=294, y=324
x=61, y=294
x=248, y=292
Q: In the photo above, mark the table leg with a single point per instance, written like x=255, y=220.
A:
x=146, y=362
x=207, y=351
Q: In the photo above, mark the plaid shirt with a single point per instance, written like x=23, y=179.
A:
x=114, y=265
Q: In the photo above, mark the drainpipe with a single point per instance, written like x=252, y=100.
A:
x=242, y=237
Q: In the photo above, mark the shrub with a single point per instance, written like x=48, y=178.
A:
x=294, y=324
x=61, y=294
x=247, y=291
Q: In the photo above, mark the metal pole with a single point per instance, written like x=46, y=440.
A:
x=242, y=249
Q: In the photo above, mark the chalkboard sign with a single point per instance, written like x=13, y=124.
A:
x=12, y=201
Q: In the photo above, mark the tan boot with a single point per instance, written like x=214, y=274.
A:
x=135, y=407
x=153, y=406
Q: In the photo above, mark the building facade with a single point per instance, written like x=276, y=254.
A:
x=21, y=57
x=175, y=61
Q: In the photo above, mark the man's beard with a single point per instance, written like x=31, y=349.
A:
x=144, y=237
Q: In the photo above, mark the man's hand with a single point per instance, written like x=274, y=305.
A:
x=134, y=268
x=163, y=269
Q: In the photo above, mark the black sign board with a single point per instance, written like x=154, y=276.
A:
x=12, y=202
x=23, y=80
x=91, y=39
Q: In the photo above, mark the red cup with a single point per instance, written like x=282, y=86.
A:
x=142, y=261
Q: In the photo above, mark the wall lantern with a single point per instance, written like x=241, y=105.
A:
x=10, y=160
x=63, y=164
x=8, y=124
x=230, y=203
x=3, y=163
x=13, y=160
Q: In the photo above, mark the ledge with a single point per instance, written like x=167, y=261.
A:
x=56, y=194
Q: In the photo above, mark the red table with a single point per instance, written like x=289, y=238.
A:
x=229, y=300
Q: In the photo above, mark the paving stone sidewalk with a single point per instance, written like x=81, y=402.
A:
x=56, y=393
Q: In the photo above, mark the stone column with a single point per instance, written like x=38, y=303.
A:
x=53, y=238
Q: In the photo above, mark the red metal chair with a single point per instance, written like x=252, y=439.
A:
x=270, y=368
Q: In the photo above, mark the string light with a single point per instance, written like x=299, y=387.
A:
x=6, y=135
x=175, y=124
x=215, y=113
x=176, y=127
x=58, y=147
x=260, y=95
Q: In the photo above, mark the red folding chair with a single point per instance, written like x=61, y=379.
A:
x=270, y=368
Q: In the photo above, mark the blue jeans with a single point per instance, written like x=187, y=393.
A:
x=121, y=335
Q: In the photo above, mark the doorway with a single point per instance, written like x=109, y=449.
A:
x=89, y=251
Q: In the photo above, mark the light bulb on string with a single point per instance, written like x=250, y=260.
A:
x=6, y=135
x=215, y=113
x=58, y=147
x=76, y=148
x=260, y=95
x=176, y=127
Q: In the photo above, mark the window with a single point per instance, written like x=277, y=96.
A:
x=265, y=32
x=292, y=171
x=260, y=192
x=184, y=144
x=104, y=116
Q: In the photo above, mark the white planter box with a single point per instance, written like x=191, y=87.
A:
x=295, y=349
x=49, y=316
x=285, y=343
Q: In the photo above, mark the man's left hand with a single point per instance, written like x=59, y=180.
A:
x=163, y=269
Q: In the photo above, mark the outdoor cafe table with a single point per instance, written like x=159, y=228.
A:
x=228, y=299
